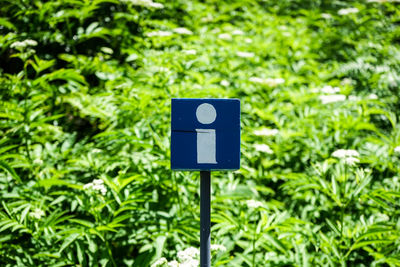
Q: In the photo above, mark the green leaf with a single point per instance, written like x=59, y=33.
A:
x=10, y=170
x=7, y=24
x=24, y=213
x=333, y=226
x=364, y=182
x=365, y=243
x=70, y=239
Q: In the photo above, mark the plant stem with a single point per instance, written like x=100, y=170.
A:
x=110, y=254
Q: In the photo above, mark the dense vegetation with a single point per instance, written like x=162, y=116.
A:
x=85, y=89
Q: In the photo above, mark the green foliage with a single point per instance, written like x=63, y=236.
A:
x=85, y=89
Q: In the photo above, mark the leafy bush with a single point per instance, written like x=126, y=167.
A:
x=84, y=154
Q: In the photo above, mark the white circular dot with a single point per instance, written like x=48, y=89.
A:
x=206, y=113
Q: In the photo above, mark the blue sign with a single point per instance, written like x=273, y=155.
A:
x=205, y=134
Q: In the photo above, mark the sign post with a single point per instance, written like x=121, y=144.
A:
x=205, y=136
x=205, y=224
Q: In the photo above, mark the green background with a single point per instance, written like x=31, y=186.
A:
x=85, y=89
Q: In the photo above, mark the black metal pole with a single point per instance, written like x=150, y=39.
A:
x=205, y=239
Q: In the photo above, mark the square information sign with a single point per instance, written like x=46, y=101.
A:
x=205, y=134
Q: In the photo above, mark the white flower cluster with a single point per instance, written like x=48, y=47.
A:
x=173, y=263
x=253, y=203
x=37, y=213
x=96, y=185
x=267, y=81
x=225, y=83
x=354, y=98
x=238, y=32
x=245, y=54
x=145, y=3
x=332, y=94
x=225, y=36
x=160, y=262
x=327, y=89
x=347, y=81
x=346, y=11
x=187, y=257
x=397, y=149
x=326, y=15
x=182, y=30
x=38, y=161
x=189, y=52
x=380, y=1
x=158, y=34
x=228, y=36
x=266, y=132
x=263, y=148
x=350, y=156
x=23, y=44
x=326, y=99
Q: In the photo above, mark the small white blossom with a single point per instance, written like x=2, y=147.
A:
x=351, y=160
x=353, y=98
x=346, y=11
x=248, y=40
x=397, y=149
x=256, y=80
x=237, y=32
x=88, y=186
x=188, y=254
x=330, y=90
x=348, y=155
x=346, y=81
x=381, y=69
x=208, y=18
x=268, y=81
x=183, y=31
x=253, y=203
x=189, y=52
x=372, y=96
x=158, y=33
x=37, y=213
x=190, y=263
x=38, y=161
x=274, y=82
x=23, y=44
x=326, y=16
x=225, y=36
x=263, y=148
x=218, y=247
x=156, y=5
x=96, y=185
x=245, y=54
x=225, y=83
x=173, y=263
x=344, y=153
x=326, y=99
x=145, y=3
x=266, y=132
x=160, y=262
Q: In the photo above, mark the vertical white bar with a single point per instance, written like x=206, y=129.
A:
x=206, y=146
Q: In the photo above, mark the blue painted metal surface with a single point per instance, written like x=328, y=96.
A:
x=188, y=134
